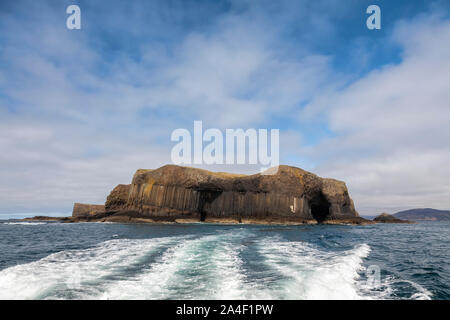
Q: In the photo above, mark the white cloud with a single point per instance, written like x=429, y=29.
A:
x=76, y=119
x=392, y=126
x=75, y=123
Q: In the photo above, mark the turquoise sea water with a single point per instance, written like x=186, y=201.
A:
x=50, y=260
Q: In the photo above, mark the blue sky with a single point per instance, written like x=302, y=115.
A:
x=81, y=110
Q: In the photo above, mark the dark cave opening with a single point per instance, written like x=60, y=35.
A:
x=206, y=196
x=320, y=207
x=202, y=216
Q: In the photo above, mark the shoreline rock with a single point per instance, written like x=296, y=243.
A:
x=388, y=218
x=133, y=220
x=44, y=218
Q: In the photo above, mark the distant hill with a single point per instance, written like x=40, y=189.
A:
x=424, y=214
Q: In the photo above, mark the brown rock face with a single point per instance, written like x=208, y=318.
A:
x=84, y=210
x=117, y=198
x=173, y=192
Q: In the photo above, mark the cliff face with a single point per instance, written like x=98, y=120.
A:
x=84, y=210
x=172, y=192
x=117, y=199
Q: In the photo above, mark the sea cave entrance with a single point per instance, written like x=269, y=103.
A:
x=320, y=207
x=206, y=197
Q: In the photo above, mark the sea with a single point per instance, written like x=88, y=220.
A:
x=52, y=260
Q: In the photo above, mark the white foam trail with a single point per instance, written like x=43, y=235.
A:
x=203, y=268
x=207, y=267
x=309, y=273
x=229, y=279
x=74, y=270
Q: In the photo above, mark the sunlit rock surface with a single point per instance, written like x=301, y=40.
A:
x=289, y=195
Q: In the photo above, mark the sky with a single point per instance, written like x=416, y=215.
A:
x=82, y=110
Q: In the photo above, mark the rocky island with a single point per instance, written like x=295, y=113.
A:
x=175, y=194
x=388, y=218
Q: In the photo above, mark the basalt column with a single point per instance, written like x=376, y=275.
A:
x=289, y=194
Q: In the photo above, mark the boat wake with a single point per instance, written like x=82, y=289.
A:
x=226, y=265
